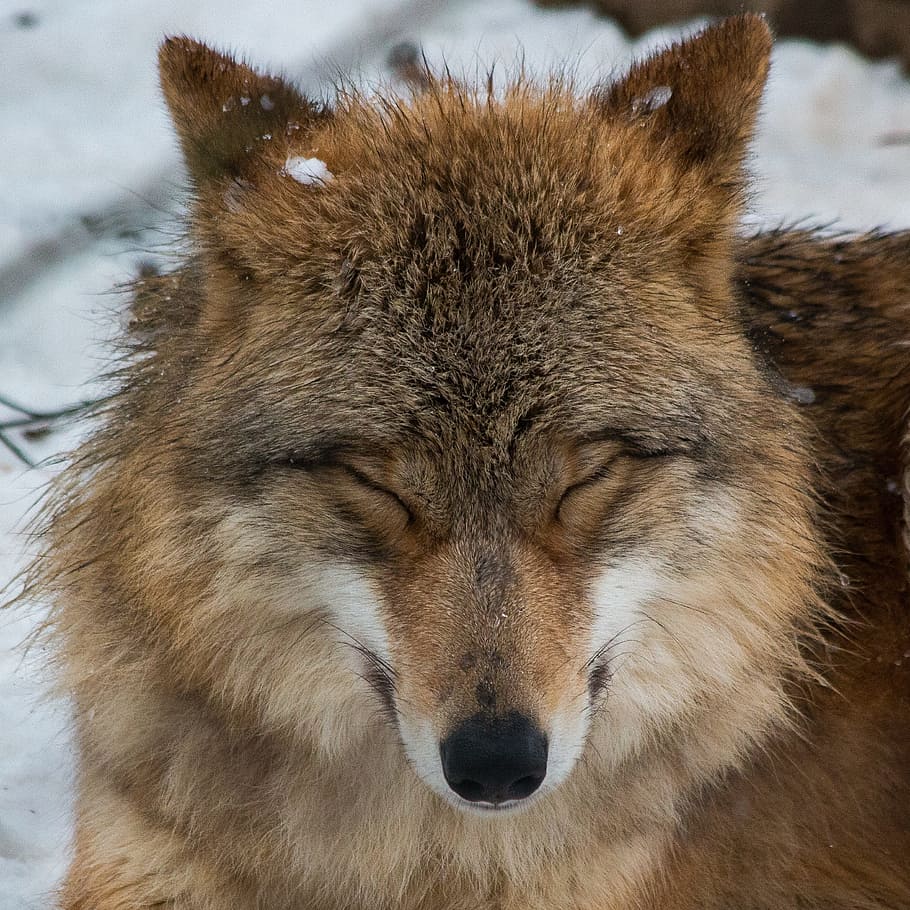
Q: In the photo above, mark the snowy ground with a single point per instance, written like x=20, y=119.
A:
x=89, y=183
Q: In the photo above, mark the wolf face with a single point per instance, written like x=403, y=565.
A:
x=469, y=411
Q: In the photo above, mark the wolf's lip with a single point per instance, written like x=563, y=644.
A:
x=510, y=807
x=498, y=807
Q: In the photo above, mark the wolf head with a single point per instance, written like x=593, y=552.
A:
x=472, y=465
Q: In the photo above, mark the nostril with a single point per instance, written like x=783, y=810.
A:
x=470, y=790
x=494, y=760
x=525, y=786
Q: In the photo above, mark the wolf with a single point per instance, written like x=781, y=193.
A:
x=483, y=522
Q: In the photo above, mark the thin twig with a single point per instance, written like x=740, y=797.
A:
x=36, y=421
x=6, y=441
x=40, y=416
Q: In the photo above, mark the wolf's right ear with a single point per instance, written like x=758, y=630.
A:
x=699, y=98
x=223, y=109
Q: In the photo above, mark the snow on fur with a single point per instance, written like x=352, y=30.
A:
x=308, y=171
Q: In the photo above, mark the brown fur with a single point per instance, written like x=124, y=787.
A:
x=511, y=339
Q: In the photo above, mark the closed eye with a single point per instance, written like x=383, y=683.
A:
x=330, y=462
x=600, y=473
x=370, y=484
x=608, y=469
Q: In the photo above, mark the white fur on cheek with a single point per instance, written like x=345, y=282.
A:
x=623, y=596
x=568, y=730
x=421, y=745
x=619, y=595
x=353, y=605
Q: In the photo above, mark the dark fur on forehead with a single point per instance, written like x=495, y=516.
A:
x=472, y=246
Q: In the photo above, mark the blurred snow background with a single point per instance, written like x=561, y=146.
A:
x=90, y=185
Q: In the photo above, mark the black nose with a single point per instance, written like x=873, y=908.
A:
x=492, y=760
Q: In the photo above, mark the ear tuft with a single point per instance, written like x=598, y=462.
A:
x=701, y=95
x=222, y=108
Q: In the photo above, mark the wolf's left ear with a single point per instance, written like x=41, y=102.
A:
x=223, y=109
x=700, y=97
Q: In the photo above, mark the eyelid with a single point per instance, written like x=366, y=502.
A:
x=636, y=446
x=606, y=467
x=329, y=460
x=365, y=480
x=601, y=472
x=634, y=450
